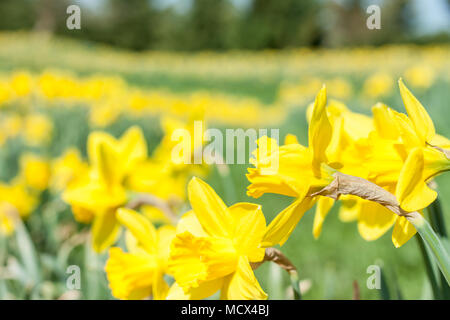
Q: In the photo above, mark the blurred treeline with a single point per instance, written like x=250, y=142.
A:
x=217, y=24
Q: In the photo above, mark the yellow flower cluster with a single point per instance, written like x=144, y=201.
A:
x=395, y=151
x=215, y=247
x=109, y=97
x=34, y=128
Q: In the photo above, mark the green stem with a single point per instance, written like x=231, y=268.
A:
x=295, y=283
x=432, y=240
x=438, y=223
x=385, y=292
x=429, y=268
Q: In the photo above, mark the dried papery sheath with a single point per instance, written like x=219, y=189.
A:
x=276, y=256
x=344, y=184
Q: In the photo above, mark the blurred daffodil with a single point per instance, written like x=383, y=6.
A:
x=34, y=171
x=420, y=76
x=21, y=83
x=37, y=129
x=378, y=84
x=66, y=168
x=16, y=202
x=104, y=188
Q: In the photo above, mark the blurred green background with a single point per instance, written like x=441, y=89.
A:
x=232, y=24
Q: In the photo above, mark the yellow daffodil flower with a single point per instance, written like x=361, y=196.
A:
x=214, y=247
x=66, y=168
x=100, y=192
x=139, y=273
x=37, y=129
x=301, y=172
x=398, y=156
x=15, y=199
x=378, y=84
x=21, y=83
x=34, y=171
x=423, y=161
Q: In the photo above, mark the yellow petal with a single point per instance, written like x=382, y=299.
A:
x=403, y=231
x=324, y=205
x=319, y=129
x=160, y=288
x=94, y=140
x=286, y=170
x=108, y=166
x=94, y=197
x=141, y=228
x=189, y=222
x=132, y=244
x=290, y=139
x=249, y=228
x=412, y=192
x=82, y=215
x=105, y=230
x=242, y=284
x=408, y=133
x=374, y=220
x=133, y=147
x=279, y=230
x=350, y=208
x=130, y=276
x=209, y=208
x=203, y=291
x=384, y=122
x=435, y=162
x=422, y=121
x=165, y=236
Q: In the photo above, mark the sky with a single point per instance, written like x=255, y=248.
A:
x=431, y=16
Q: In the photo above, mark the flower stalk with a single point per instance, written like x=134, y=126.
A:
x=154, y=201
x=276, y=256
x=437, y=222
x=429, y=268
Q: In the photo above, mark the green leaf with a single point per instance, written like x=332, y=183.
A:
x=28, y=255
x=440, y=253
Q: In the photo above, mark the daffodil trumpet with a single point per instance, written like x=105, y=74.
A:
x=344, y=184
